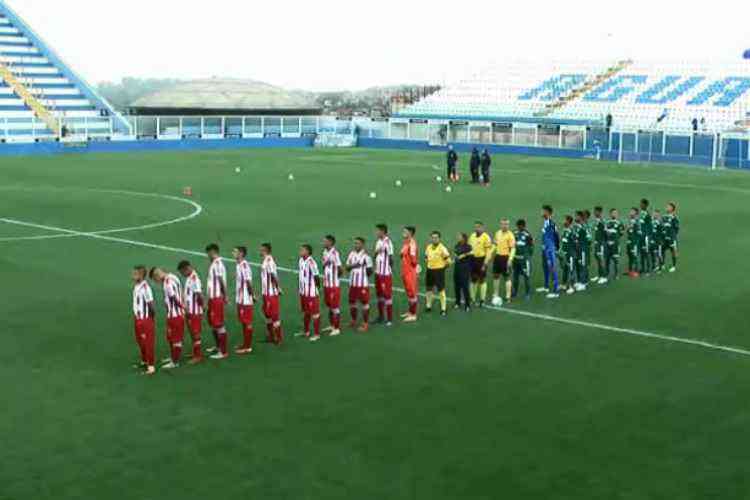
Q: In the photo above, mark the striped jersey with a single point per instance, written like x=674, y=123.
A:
x=244, y=282
x=217, y=279
x=269, y=276
x=308, y=271
x=383, y=257
x=192, y=292
x=360, y=262
x=142, y=297
x=173, y=296
x=331, y=268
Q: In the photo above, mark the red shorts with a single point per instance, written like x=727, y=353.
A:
x=384, y=287
x=333, y=297
x=245, y=314
x=272, y=308
x=144, y=328
x=175, y=329
x=310, y=305
x=359, y=294
x=216, y=313
x=195, y=322
x=411, y=287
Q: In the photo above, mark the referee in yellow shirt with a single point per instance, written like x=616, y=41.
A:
x=504, y=252
x=481, y=250
x=438, y=260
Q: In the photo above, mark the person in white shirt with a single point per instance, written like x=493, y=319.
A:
x=144, y=314
x=359, y=265
x=216, y=289
x=245, y=299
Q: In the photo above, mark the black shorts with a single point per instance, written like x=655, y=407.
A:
x=435, y=278
x=521, y=267
x=477, y=269
x=500, y=266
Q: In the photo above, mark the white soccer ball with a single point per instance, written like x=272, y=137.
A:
x=448, y=189
x=439, y=179
x=497, y=301
x=373, y=195
x=291, y=177
x=399, y=184
x=237, y=170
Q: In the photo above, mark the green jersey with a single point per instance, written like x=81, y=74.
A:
x=583, y=236
x=613, y=230
x=599, y=227
x=634, y=232
x=658, y=229
x=568, y=242
x=670, y=227
x=524, y=246
x=647, y=224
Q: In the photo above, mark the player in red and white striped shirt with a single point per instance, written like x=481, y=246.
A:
x=245, y=299
x=216, y=289
x=332, y=283
x=175, y=314
x=144, y=314
x=269, y=279
x=193, y=302
x=359, y=266
x=384, y=274
x=309, y=284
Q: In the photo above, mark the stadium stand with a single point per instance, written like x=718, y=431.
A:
x=637, y=95
x=40, y=96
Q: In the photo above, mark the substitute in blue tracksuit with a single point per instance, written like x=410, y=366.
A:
x=550, y=244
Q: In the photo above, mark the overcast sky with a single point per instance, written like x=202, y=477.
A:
x=336, y=44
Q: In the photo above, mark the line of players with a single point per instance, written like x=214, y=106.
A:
x=509, y=255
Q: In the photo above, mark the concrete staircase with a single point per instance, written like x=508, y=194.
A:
x=40, y=111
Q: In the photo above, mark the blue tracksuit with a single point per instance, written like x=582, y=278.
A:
x=550, y=244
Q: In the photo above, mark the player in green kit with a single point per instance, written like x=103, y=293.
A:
x=634, y=242
x=598, y=228
x=567, y=255
x=647, y=238
x=658, y=244
x=522, y=261
x=583, y=250
x=613, y=231
x=671, y=230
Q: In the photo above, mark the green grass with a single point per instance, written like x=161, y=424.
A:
x=481, y=406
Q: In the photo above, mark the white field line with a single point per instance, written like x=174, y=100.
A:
x=544, y=317
x=197, y=210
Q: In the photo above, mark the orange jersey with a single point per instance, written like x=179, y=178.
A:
x=409, y=258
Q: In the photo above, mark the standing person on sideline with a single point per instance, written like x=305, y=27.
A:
x=452, y=160
x=193, y=301
x=486, y=162
x=614, y=230
x=568, y=251
x=359, y=265
x=216, y=288
x=583, y=251
x=175, y=315
x=462, y=271
x=647, y=238
x=550, y=245
x=144, y=314
x=474, y=165
x=332, y=283
x=600, y=242
x=410, y=272
x=634, y=242
x=438, y=259
x=671, y=229
x=245, y=299
x=384, y=274
x=522, y=260
x=481, y=248
x=502, y=255
x=271, y=291
x=309, y=284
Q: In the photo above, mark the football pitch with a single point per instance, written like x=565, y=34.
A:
x=634, y=390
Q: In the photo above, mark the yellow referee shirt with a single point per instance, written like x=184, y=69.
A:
x=480, y=245
x=505, y=243
x=438, y=257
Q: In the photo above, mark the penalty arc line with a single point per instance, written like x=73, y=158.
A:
x=544, y=317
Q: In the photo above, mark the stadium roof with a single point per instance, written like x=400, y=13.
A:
x=225, y=96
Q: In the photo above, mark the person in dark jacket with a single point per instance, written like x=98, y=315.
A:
x=452, y=159
x=474, y=166
x=486, y=163
x=462, y=256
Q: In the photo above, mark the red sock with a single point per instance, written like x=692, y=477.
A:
x=316, y=326
x=354, y=314
x=278, y=335
x=141, y=348
x=149, y=348
x=271, y=334
x=366, y=315
x=336, y=321
x=381, y=309
x=307, y=325
x=247, y=332
x=413, y=308
x=389, y=310
x=222, y=340
x=176, y=349
x=197, y=354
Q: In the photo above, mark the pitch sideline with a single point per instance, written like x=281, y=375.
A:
x=544, y=317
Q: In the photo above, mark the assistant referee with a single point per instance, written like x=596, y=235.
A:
x=438, y=260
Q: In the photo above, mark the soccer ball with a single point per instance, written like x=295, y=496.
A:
x=399, y=184
x=448, y=189
x=373, y=195
x=497, y=301
x=439, y=179
x=237, y=170
x=291, y=177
